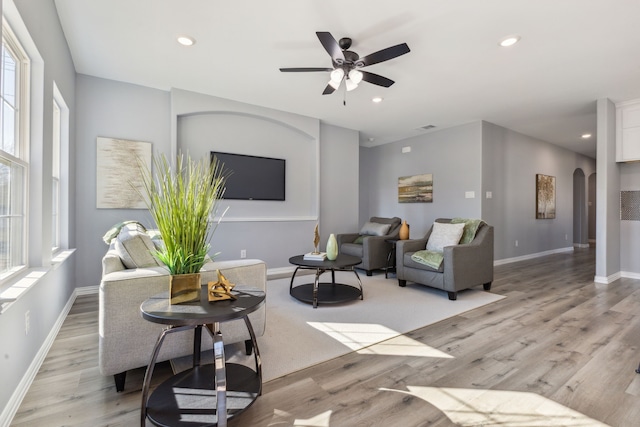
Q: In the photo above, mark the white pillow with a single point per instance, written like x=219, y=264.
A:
x=375, y=229
x=444, y=235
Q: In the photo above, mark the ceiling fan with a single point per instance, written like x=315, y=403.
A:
x=347, y=64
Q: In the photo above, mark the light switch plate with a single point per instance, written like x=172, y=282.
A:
x=470, y=195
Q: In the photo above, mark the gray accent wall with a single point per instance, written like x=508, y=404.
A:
x=472, y=160
x=510, y=163
x=110, y=109
x=196, y=124
x=452, y=155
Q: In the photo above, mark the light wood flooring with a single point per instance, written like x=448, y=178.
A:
x=559, y=350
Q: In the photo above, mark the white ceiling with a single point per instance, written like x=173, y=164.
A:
x=572, y=53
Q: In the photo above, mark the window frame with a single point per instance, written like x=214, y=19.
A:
x=20, y=157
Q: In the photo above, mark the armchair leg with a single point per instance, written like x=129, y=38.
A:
x=402, y=283
x=369, y=272
x=119, y=379
x=453, y=295
x=487, y=286
x=248, y=347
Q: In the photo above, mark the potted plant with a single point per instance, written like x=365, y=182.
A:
x=181, y=200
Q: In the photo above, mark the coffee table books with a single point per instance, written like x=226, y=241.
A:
x=320, y=256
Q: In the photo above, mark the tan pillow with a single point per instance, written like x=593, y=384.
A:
x=444, y=235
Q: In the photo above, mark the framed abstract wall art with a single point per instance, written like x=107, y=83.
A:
x=545, y=196
x=118, y=177
x=415, y=188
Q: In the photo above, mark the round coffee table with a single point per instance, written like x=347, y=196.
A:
x=326, y=292
x=204, y=395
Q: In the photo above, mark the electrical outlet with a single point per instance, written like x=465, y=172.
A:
x=27, y=322
x=566, y=237
x=243, y=253
x=516, y=243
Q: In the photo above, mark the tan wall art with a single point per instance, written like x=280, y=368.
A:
x=118, y=177
x=415, y=188
x=545, y=196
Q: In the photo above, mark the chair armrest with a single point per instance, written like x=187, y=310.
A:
x=111, y=262
x=413, y=245
x=346, y=238
x=470, y=263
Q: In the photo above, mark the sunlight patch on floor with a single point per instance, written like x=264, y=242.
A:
x=281, y=418
x=369, y=338
x=498, y=408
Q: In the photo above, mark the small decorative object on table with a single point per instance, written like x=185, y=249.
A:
x=316, y=240
x=404, y=231
x=332, y=247
x=220, y=290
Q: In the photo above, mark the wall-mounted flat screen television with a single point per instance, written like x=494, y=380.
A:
x=253, y=177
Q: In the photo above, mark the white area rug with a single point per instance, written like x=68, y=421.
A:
x=298, y=336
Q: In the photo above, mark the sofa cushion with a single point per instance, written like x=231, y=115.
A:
x=375, y=229
x=470, y=228
x=444, y=235
x=113, y=232
x=134, y=247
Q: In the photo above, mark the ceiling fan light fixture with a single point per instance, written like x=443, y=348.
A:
x=337, y=75
x=355, y=76
x=351, y=85
x=334, y=84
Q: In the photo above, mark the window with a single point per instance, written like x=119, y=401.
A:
x=14, y=115
x=55, y=175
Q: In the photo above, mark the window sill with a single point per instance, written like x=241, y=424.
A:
x=21, y=285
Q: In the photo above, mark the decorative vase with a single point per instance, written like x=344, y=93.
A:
x=404, y=230
x=184, y=288
x=332, y=247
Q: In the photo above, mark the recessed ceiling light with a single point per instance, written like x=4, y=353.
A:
x=586, y=136
x=377, y=99
x=509, y=41
x=186, y=40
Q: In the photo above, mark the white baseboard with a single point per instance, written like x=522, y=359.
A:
x=609, y=279
x=23, y=387
x=531, y=256
x=87, y=290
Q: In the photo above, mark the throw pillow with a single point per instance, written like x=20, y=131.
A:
x=375, y=229
x=359, y=240
x=134, y=247
x=470, y=228
x=112, y=233
x=444, y=235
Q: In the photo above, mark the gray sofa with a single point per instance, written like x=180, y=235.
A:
x=370, y=243
x=463, y=265
x=126, y=340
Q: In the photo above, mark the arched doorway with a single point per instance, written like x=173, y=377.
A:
x=580, y=225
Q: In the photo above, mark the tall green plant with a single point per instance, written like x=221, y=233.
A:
x=181, y=200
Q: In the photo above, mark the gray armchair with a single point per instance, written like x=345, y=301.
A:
x=463, y=266
x=370, y=243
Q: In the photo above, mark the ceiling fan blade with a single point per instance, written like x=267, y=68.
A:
x=376, y=79
x=331, y=46
x=328, y=90
x=304, y=70
x=384, y=55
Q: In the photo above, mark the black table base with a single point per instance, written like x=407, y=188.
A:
x=328, y=292
x=189, y=398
